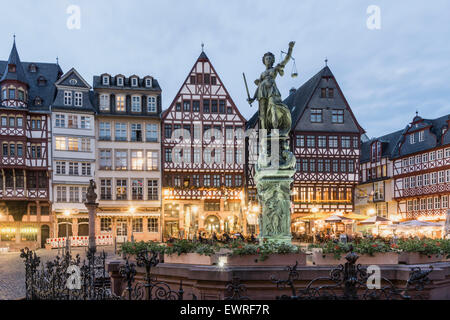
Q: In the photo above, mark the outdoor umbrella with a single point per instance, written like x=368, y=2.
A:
x=336, y=219
x=417, y=223
x=375, y=219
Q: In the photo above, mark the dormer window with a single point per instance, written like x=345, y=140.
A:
x=134, y=82
x=78, y=99
x=148, y=82
x=120, y=81
x=11, y=68
x=32, y=68
x=41, y=81
x=105, y=80
x=67, y=98
x=411, y=138
x=421, y=136
x=376, y=151
x=37, y=101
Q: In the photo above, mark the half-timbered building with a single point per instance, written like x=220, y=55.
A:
x=422, y=169
x=202, y=156
x=325, y=139
x=73, y=153
x=375, y=193
x=128, y=172
x=27, y=90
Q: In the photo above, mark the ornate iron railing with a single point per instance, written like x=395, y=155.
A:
x=350, y=282
x=66, y=278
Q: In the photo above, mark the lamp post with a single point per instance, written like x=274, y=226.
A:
x=67, y=214
x=91, y=205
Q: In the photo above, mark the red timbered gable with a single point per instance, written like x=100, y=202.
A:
x=202, y=134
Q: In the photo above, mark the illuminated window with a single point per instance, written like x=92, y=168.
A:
x=60, y=143
x=137, y=189
x=137, y=160
x=120, y=103
x=137, y=225
x=121, y=189
x=152, y=160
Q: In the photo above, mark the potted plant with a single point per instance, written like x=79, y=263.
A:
x=417, y=251
x=267, y=254
x=186, y=252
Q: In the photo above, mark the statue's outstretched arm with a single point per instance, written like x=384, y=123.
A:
x=288, y=55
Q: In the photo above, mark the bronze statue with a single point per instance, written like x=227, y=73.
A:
x=273, y=113
x=91, y=196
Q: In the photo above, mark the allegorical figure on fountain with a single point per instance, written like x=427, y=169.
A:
x=273, y=113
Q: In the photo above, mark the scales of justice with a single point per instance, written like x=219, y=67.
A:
x=275, y=167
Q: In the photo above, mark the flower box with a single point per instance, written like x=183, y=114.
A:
x=190, y=258
x=419, y=258
x=276, y=259
x=379, y=258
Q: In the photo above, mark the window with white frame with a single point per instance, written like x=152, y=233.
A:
x=74, y=194
x=85, y=144
x=425, y=158
x=137, y=160
x=85, y=168
x=423, y=204
x=61, y=194
x=413, y=182
x=73, y=168
x=60, y=121
x=410, y=205
x=416, y=205
x=104, y=102
x=437, y=203
x=78, y=99
x=60, y=143
x=136, y=104
x=85, y=122
x=83, y=194
x=447, y=153
x=148, y=82
x=419, y=180
x=105, y=80
x=137, y=189
x=433, y=177
x=136, y=132
x=120, y=81
x=60, y=167
x=121, y=189
x=137, y=225
x=447, y=175
x=105, y=189
x=72, y=121
x=152, y=160
x=411, y=161
x=151, y=104
x=105, y=131
x=439, y=154
x=421, y=135
x=152, y=189
x=432, y=156
x=134, y=82
x=67, y=98
x=151, y=132
x=105, y=224
x=105, y=159
x=441, y=176
x=444, y=202
x=121, y=159
x=120, y=103
x=120, y=131
x=430, y=203
x=411, y=138
x=426, y=179
x=406, y=182
x=152, y=224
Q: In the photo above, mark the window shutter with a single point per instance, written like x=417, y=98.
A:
x=112, y=103
x=144, y=104
x=128, y=103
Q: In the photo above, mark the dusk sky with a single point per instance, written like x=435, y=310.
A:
x=386, y=74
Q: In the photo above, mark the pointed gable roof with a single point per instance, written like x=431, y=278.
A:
x=202, y=58
x=19, y=74
x=73, y=74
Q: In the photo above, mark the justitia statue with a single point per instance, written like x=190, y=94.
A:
x=273, y=113
x=275, y=166
x=91, y=196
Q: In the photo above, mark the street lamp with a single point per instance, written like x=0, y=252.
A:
x=67, y=214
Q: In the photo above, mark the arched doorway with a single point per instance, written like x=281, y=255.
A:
x=83, y=227
x=64, y=229
x=212, y=224
x=45, y=234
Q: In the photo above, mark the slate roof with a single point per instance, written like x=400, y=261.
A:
x=14, y=59
x=389, y=142
x=392, y=142
x=298, y=99
x=97, y=84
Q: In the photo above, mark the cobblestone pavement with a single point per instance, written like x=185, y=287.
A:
x=12, y=270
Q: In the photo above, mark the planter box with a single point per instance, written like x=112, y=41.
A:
x=190, y=258
x=418, y=258
x=278, y=260
x=379, y=258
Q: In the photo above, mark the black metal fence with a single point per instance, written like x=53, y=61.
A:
x=67, y=278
